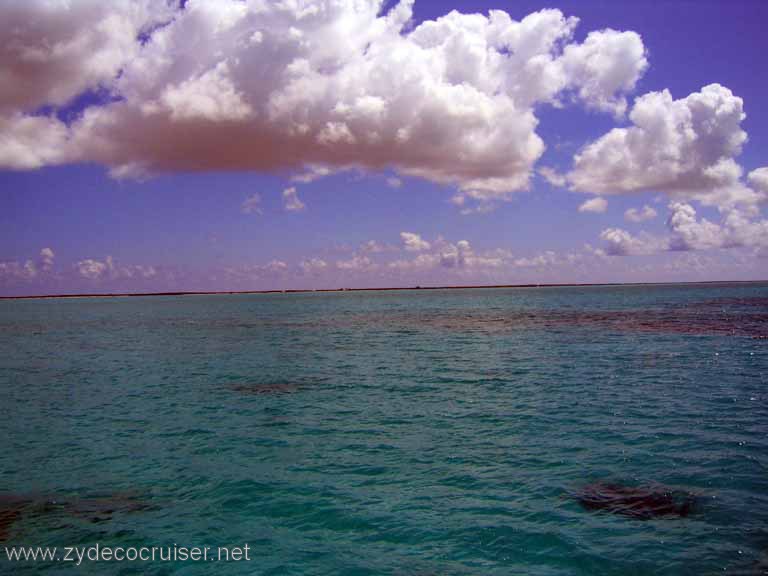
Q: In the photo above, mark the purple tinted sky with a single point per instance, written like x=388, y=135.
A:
x=190, y=229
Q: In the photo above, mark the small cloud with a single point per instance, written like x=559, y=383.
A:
x=291, y=200
x=275, y=266
x=758, y=179
x=314, y=172
x=458, y=199
x=252, y=204
x=356, y=263
x=641, y=215
x=413, y=242
x=46, y=258
x=482, y=201
x=94, y=269
x=481, y=208
x=393, y=182
x=595, y=205
x=313, y=265
x=552, y=176
x=691, y=233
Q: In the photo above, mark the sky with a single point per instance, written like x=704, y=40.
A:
x=153, y=145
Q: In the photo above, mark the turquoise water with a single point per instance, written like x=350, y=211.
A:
x=408, y=433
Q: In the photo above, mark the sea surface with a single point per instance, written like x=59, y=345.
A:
x=410, y=433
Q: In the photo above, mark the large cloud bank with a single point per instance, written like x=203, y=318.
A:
x=278, y=85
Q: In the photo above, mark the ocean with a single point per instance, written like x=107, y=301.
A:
x=411, y=433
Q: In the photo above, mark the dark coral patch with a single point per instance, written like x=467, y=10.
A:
x=11, y=508
x=743, y=318
x=258, y=388
x=277, y=386
x=14, y=507
x=8, y=517
x=641, y=502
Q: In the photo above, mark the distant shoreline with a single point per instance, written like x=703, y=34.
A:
x=384, y=289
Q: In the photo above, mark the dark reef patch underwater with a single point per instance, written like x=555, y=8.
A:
x=640, y=502
x=275, y=386
x=582, y=431
x=265, y=388
x=100, y=508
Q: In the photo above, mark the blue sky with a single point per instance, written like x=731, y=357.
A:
x=134, y=158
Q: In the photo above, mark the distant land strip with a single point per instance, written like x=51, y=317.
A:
x=384, y=289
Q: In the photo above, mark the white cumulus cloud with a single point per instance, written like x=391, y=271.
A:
x=685, y=148
x=107, y=269
x=54, y=50
x=29, y=269
x=414, y=242
x=619, y=242
x=93, y=269
x=608, y=64
x=28, y=142
x=313, y=265
x=47, y=256
x=18, y=271
x=736, y=230
x=758, y=179
x=446, y=255
x=597, y=205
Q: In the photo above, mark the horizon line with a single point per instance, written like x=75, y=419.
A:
x=380, y=289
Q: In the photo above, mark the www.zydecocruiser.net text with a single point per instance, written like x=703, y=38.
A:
x=97, y=553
